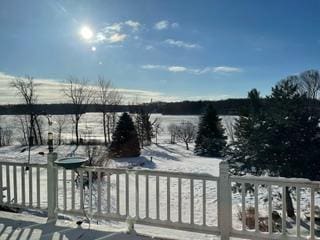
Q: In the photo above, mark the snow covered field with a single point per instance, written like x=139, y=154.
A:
x=165, y=156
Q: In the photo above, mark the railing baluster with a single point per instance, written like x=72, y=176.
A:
x=38, y=187
x=256, y=207
x=157, y=198
x=118, y=194
x=90, y=191
x=108, y=192
x=204, y=199
x=243, y=206
x=8, y=183
x=312, y=217
x=191, y=202
x=137, y=195
x=147, y=196
x=127, y=194
x=168, y=199
x=64, y=177
x=179, y=201
x=81, y=190
x=72, y=190
x=99, y=192
x=15, y=184
x=284, y=210
x=23, y=187
x=30, y=186
x=1, y=185
x=270, y=209
x=298, y=212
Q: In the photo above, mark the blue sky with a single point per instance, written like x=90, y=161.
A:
x=188, y=49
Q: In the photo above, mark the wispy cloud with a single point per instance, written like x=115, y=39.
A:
x=116, y=32
x=179, y=69
x=165, y=24
x=161, y=25
x=181, y=44
x=50, y=91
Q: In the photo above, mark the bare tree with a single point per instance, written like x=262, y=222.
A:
x=108, y=98
x=60, y=121
x=173, y=130
x=186, y=133
x=156, y=128
x=80, y=94
x=26, y=89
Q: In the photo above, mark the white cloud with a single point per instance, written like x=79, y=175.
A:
x=226, y=69
x=197, y=71
x=117, y=37
x=149, y=47
x=177, y=69
x=164, y=24
x=181, y=44
x=116, y=32
x=135, y=25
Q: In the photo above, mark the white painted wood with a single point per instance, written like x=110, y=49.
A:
x=204, y=203
x=8, y=184
x=38, y=187
x=81, y=190
x=243, y=206
x=52, y=183
x=1, y=185
x=168, y=200
x=270, y=209
x=15, y=195
x=23, y=189
x=118, y=194
x=30, y=187
x=90, y=192
x=99, y=193
x=137, y=195
x=108, y=193
x=157, y=198
x=64, y=183
x=298, y=221
x=127, y=194
x=147, y=196
x=312, y=217
x=256, y=208
x=179, y=201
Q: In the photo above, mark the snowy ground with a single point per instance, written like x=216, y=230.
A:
x=167, y=157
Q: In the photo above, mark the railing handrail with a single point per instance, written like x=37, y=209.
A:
x=281, y=181
x=205, y=176
x=23, y=164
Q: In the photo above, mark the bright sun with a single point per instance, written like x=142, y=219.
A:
x=86, y=33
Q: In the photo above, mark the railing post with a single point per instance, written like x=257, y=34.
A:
x=224, y=202
x=52, y=180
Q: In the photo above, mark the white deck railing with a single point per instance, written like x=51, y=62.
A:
x=185, y=201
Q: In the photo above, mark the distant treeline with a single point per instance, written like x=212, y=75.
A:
x=223, y=107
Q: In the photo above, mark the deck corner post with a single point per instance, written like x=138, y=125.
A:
x=52, y=180
x=224, y=201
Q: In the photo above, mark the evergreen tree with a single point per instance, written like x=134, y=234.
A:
x=210, y=140
x=125, y=141
x=144, y=127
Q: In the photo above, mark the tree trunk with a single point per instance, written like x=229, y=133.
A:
x=77, y=132
x=104, y=128
x=108, y=128
x=187, y=145
x=290, y=208
x=39, y=130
